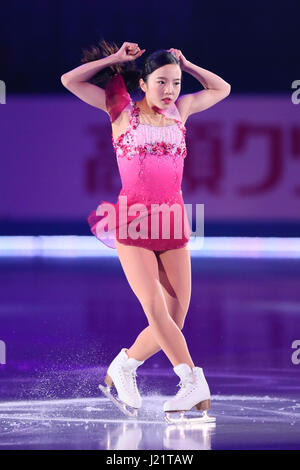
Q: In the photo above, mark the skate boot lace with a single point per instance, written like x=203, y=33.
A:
x=131, y=374
x=183, y=387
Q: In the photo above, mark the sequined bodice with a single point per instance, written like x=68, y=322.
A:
x=151, y=159
x=140, y=138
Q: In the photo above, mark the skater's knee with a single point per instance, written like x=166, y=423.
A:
x=180, y=323
x=154, y=304
x=151, y=296
x=179, y=317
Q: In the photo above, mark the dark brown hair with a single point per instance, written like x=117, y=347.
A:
x=129, y=70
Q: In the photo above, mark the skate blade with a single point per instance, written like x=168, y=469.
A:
x=132, y=413
x=205, y=418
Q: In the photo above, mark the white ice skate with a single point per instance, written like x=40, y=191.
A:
x=194, y=392
x=121, y=374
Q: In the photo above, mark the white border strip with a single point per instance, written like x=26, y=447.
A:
x=73, y=246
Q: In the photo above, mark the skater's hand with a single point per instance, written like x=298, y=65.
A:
x=129, y=51
x=180, y=57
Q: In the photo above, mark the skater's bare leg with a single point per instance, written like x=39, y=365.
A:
x=175, y=279
x=141, y=268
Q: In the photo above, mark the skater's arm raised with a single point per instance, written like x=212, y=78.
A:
x=76, y=81
x=216, y=89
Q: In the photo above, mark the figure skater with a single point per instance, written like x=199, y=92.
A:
x=148, y=137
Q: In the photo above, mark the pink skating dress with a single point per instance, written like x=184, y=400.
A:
x=150, y=210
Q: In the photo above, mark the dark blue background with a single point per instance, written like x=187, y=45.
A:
x=252, y=45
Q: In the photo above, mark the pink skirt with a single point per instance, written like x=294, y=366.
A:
x=157, y=227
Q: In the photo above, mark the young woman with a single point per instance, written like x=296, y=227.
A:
x=149, y=140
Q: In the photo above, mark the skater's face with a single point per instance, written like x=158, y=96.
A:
x=164, y=82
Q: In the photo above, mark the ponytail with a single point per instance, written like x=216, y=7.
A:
x=130, y=73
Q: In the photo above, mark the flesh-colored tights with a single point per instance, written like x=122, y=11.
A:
x=162, y=283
